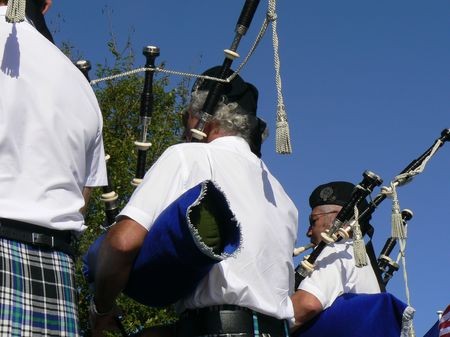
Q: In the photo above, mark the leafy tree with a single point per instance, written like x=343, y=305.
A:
x=119, y=100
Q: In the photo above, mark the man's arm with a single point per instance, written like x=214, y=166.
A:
x=116, y=255
x=306, y=307
x=87, y=191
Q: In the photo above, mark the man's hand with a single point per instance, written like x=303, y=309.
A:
x=46, y=6
x=104, y=322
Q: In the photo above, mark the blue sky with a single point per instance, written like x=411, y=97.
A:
x=366, y=87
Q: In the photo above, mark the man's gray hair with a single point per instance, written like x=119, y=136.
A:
x=232, y=119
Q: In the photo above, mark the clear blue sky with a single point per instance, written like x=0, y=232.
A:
x=366, y=86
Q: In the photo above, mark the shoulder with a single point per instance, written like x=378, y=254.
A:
x=336, y=254
x=181, y=148
x=185, y=152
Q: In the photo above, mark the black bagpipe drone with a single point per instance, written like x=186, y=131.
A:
x=109, y=197
x=345, y=218
x=214, y=94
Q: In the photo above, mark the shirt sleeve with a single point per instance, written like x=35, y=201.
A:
x=162, y=184
x=96, y=174
x=326, y=282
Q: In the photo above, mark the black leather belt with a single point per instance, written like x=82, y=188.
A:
x=37, y=236
x=229, y=320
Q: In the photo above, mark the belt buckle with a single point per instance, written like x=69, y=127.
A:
x=43, y=240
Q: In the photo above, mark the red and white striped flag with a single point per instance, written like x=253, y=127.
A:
x=444, y=323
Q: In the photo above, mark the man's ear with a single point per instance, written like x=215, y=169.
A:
x=212, y=129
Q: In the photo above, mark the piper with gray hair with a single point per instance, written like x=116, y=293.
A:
x=235, y=112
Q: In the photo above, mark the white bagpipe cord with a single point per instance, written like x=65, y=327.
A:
x=16, y=11
x=399, y=231
x=282, y=137
x=408, y=314
x=406, y=177
x=359, y=248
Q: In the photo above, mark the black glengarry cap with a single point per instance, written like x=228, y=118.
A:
x=335, y=193
x=244, y=94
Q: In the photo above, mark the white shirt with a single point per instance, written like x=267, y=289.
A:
x=51, y=142
x=260, y=277
x=335, y=273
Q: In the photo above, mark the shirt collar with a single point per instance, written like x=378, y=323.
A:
x=235, y=142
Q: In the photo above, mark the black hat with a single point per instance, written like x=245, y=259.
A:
x=243, y=93
x=334, y=193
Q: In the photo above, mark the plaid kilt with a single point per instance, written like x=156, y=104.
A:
x=37, y=292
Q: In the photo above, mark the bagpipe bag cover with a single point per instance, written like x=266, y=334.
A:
x=355, y=315
x=192, y=234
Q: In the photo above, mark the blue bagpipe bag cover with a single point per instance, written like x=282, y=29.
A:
x=357, y=315
x=192, y=234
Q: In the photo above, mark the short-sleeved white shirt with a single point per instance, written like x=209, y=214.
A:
x=260, y=277
x=335, y=273
x=51, y=142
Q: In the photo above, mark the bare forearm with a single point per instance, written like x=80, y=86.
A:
x=115, y=261
x=111, y=277
x=87, y=191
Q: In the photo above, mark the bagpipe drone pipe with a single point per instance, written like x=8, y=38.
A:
x=215, y=92
x=109, y=197
x=188, y=238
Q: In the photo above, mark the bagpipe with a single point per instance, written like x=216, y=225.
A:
x=340, y=226
x=346, y=218
x=175, y=244
x=343, y=317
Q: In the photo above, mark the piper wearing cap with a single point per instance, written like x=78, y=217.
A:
x=335, y=272
x=245, y=294
x=245, y=98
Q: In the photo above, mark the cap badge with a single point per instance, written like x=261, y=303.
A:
x=327, y=194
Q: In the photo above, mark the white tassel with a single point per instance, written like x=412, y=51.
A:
x=397, y=229
x=283, y=139
x=359, y=246
x=15, y=12
x=407, y=323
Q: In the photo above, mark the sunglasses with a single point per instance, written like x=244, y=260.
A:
x=312, y=221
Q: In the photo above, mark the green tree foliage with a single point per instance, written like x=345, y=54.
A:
x=119, y=100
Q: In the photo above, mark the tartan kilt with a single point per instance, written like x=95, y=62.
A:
x=37, y=292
